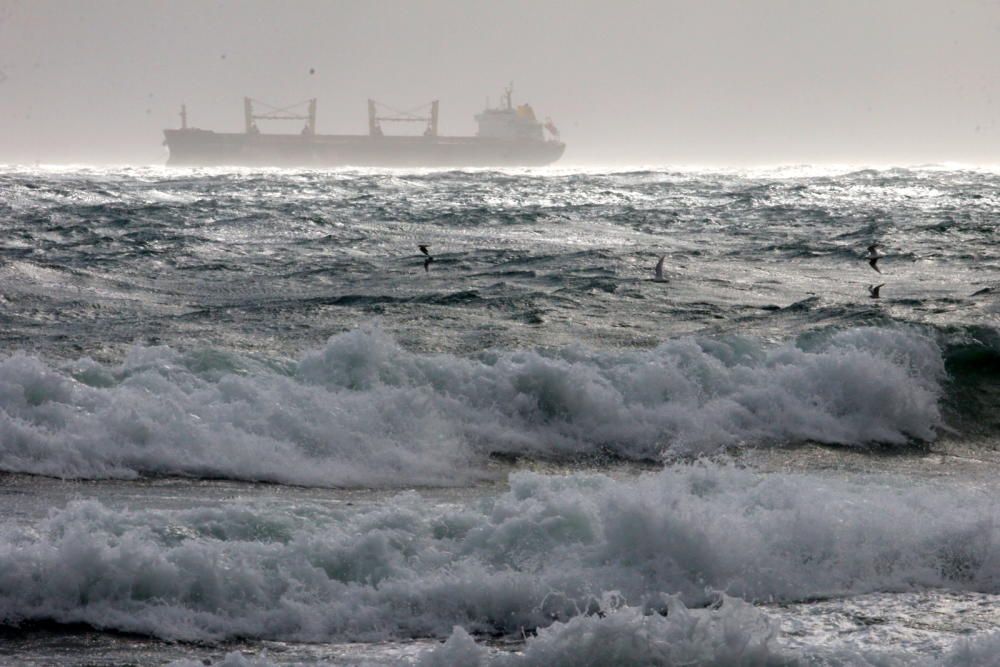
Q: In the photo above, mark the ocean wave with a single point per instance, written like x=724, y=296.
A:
x=732, y=636
x=551, y=549
x=362, y=411
x=735, y=634
x=972, y=360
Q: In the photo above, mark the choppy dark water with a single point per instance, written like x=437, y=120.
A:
x=280, y=326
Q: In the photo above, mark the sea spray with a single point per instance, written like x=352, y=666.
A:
x=363, y=411
x=550, y=549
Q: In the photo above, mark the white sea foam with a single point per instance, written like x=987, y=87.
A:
x=736, y=634
x=732, y=635
x=551, y=549
x=362, y=411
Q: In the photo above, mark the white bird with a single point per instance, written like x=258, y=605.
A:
x=659, y=270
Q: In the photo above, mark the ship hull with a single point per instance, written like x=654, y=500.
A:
x=191, y=147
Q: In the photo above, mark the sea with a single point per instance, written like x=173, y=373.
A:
x=245, y=421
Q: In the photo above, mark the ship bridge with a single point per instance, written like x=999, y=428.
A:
x=509, y=122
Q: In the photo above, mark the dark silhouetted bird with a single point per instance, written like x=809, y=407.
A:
x=429, y=260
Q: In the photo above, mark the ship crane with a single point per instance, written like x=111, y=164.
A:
x=412, y=116
x=282, y=113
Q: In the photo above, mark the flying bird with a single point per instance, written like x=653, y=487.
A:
x=428, y=260
x=658, y=275
x=874, y=255
x=873, y=291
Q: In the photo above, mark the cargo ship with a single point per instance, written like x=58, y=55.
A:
x=508, y=135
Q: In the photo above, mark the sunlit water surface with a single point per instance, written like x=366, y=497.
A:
x=242, y=420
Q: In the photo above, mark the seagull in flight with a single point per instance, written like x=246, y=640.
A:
x=873, y=291
x=658, y=275
x=428, y=260
x=874, y=255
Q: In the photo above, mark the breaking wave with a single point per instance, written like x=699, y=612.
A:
x=735, y=635
x=549, y=550
x=362, y=411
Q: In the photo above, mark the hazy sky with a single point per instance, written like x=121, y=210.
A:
x=711, y=82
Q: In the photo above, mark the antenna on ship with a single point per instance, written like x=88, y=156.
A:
x=507, y=93
x=184, y=117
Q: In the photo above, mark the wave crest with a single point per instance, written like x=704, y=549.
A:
x=549, y=550
x=362, y=411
